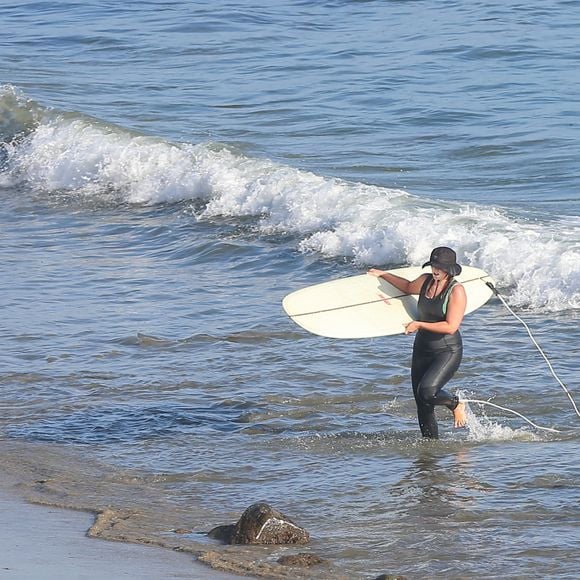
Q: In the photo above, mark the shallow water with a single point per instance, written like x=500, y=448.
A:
x=170, y=172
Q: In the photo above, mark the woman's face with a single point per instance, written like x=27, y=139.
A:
x=438, y=274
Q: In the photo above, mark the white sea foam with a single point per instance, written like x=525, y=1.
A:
x=481, y=428
x=538, y=262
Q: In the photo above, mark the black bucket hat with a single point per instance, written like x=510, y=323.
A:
x=445, y=259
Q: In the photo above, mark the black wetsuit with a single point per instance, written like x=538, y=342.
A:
x=436, y=358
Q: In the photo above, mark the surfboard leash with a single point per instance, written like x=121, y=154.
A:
x=480, y=402
x=535, y=343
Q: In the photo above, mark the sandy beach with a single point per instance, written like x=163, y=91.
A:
x=44, y=543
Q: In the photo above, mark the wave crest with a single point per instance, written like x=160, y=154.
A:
x=55, y=152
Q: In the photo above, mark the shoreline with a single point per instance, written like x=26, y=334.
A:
x=50, y=543
x=66, y=518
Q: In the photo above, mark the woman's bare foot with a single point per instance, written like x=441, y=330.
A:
x=459, y=415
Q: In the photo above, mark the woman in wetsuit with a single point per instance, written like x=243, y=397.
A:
x=438, y=348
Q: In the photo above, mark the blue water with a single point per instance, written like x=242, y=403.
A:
x=169, y=171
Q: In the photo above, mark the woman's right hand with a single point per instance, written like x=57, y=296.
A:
x=376, y=272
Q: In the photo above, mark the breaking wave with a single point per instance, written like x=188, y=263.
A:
x=52, y=152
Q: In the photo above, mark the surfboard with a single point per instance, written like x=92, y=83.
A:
x=364, y=306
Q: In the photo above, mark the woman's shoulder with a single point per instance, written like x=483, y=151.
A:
x=418, y=284
x=456, y=288
x=423, y=278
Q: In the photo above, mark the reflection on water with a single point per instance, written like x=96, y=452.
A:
x=436, y=486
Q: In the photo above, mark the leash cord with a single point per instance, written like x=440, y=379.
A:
x=496, y=292
x=478, y=401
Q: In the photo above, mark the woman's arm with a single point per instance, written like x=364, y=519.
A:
x=402, y=284
x=452, y=322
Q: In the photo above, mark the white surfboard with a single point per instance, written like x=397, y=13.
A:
x=365, y=306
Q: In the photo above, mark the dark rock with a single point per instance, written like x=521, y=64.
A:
x=261, y=524
x=222, y=533
x=390, y=577
x=303, y=559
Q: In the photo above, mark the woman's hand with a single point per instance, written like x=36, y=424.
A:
x=412, y=327
x=376, y=272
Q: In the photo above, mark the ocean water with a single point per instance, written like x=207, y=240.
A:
x=170, y=170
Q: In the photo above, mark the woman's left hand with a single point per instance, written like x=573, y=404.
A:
x=411, y=327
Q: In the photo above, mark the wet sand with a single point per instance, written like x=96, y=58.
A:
x=45, y=543
x=65, y=518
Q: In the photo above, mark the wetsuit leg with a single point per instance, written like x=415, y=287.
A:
x=425, y=411
x=430, y=371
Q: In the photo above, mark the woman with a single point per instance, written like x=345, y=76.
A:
x=438, y=348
